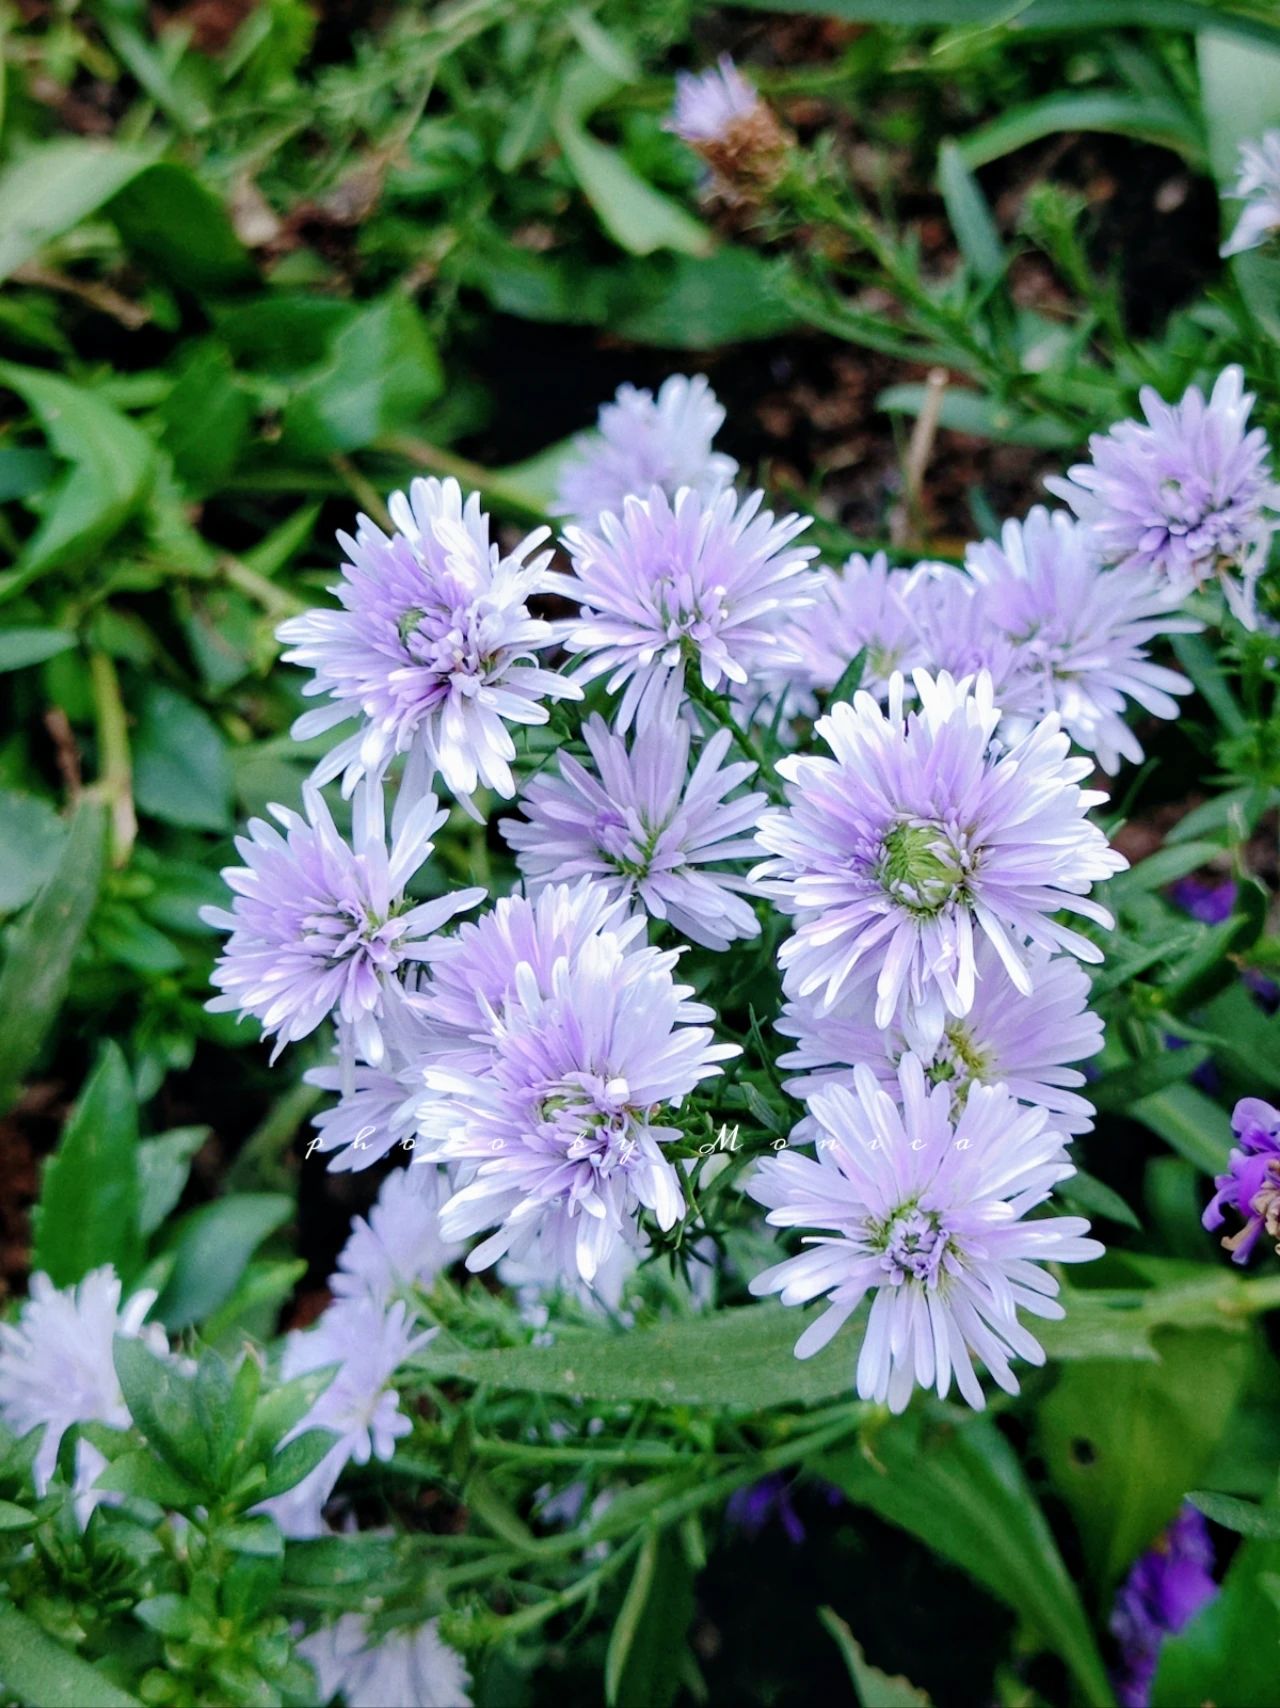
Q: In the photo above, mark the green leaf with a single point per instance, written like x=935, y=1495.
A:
x=20, y=648
x=162, y=1403
x=163, y=1166
x=37, y=964
x=52, y=188
x=970, y=216
x=211, y=1247
x=90, y=1196
x=206, y=417
x=112, y=464
x=295, y=1460
x=171, y=218
x=1227, y=1654
x=42, y=1674
x=873, y=1688
x=970, y=412
x=1245, y=1517
x=1096, y=1198
x=956, y=1483
x=641, y=1668
x=741, y=1358
x=637, y=217
x=697, y=302
x=1121, y=1323
x=850, y=678
x=144, y=1476
x=181, y=772
x=31, y=837
x=1190, y=1123
x=14, y=1517
x=1123, y=1443
x=1149, y=118
x=382, y=373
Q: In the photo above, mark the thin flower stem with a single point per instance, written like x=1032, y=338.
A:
x=115, y=765
x=718, y=710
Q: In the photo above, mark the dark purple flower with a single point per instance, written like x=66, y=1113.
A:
x=1251, y=1185
x=1211, y=901
x=1163, y=1593
x=750, y=1509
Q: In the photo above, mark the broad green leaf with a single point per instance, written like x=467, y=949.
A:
x=954, y=1482
x=181, y=772
x=91, y=1194
x=39, y=952
x=873, y=1688
x=142, y=1474
x=206, y=417
x=295, y=1460
x=741, y=1358
x=1190, y=1123
x=637, y=217
x=1044, y=17
x=162, y=1403
x=163, y=1166
x=1124, y=1443
x=211, y=1247
x=40, y=1673
x=697, y=302
x=1120, y=1323
x=50, y=189
x=20, y=648
x=969, y=215
x=31, y=836
x=111, y=467
x=1229, y=1652
x=171, y=218
x=381, y=374
x=641, y=1668
x=1245, y=1517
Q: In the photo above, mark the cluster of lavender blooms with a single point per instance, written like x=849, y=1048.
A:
x=533, y=1059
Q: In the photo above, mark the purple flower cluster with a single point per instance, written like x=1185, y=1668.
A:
x=1161, y=1596
x=1250, y=1188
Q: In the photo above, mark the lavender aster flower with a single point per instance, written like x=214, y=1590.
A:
x=1185, y=495
x=1167, y=1587
x=646, y=441
x=57, y=1367
x=433, y=649
x=320, y=927
x=367, y=1342
x=1251, y=1185
x=408, y=1667
x=400, y=1245
x=664, y=586
x=1258, y=186
x=861, y=607
x=1080, y=633
x=560, y=1131
x=644, y=827
x=917, y=839
x=926, y=1216
x=1023, y=1043
x=474, y=972
x=721, y=116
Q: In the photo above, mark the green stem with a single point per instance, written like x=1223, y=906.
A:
x=721, y=713
x=115, y=765
x=475, y=476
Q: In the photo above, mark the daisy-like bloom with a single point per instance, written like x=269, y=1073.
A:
x=1024, y=1043
x=433, y=650
x=860, y=608
x=1258, y=186
x=928, y=1217
x=57, y=1367
x=1185, y=495
x=646, y=441
x=408, y=1667
x=645, y=827
x=697, y=583
x=399, y=1246
x=560, y=1131
x=952, y=617
x=368, y=1342
x=474, y=972
x=1251, y=1185
x=321, y=927
x=1167, y=1587
x=720, y=114
x=916, y=840
x=1080, y=633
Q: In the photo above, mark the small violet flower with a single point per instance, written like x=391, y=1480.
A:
x=1251, y=1185
x=1258, y=186
x=1167, y=1587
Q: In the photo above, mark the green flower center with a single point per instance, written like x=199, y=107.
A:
x=921, y=868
